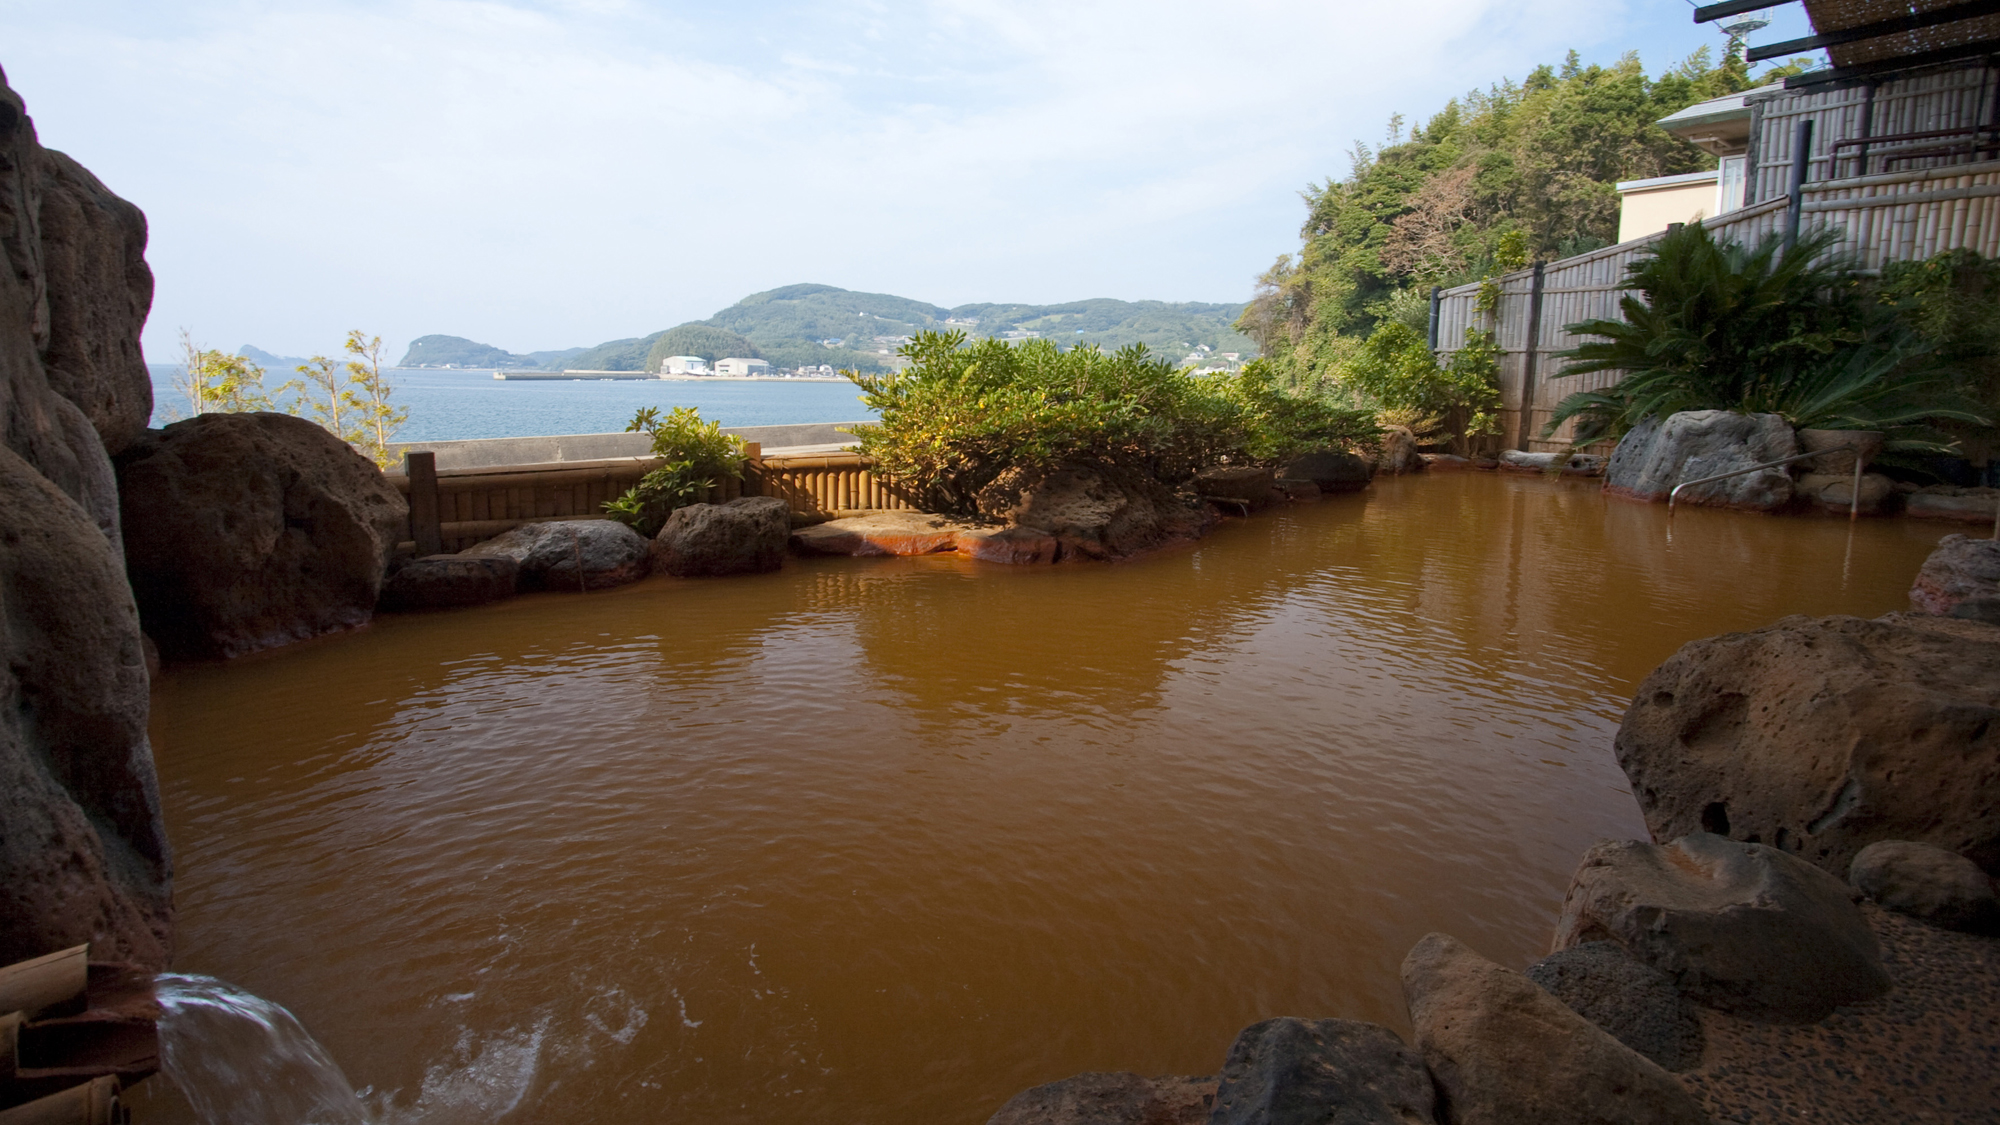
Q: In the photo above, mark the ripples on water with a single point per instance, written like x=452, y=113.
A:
x=889, y=840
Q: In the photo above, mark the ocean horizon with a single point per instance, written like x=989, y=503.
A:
x=457, y=404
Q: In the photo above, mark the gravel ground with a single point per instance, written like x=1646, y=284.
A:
x=1927, y=1051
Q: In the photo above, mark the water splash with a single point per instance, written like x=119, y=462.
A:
x=242, y=1060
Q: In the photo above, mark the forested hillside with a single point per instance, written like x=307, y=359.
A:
x=1536, y=160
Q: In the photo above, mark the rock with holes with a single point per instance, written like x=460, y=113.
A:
x=1111, y=1099
x=1636, y=1003
x=1504, y=1052
x=1961, y=578
x=574, y=555
x=1739, y=927
x=1015, y=545
x=451, y=581
x=1097, y=512
x=1833, y=493
x=1331, y=469
x=1290, y=1071
x=1399, y=452
x=1940, y=887
x=743, y=536
x=1822, y=735
x=249, y=531
x=1655, y=456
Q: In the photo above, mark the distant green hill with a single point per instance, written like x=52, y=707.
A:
x=800, y=325
x=457, y=351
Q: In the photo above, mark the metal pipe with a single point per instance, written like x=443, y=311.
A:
x=1801, y=168
x=1437, y=298
x=1675, y=495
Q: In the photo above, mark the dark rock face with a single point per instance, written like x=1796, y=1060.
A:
x=745, y=536
x=249, y=531
x=1654, y=456
x=449, y=581
x=83, y=852
x=99, y=291
x=1250, y=484
x=1096, y=513
x=1739, y=927
x=1940, y=887
x=1332, y=470
x=1637, y=1004
x=1504, y=1052
x=1959, y=571
x=571, y=554
x=1820, y=736
x=1290, y=1071
x=1111, y=1099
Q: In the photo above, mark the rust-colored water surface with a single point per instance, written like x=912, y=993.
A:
x=889, y=840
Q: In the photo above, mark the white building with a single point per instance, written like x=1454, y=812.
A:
x=741, y=367
x=684, y=365
x=1720, y=126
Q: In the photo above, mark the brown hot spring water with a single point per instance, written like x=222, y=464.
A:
x=890, y=840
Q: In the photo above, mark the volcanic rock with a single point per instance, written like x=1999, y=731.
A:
x=1399, y=452
x=1099, y=513
x=573, y=555
x=1940, y=887
x=1531, y=462
x=884, y=533
x=1820, y=736
x=1958, y=571
x=1006, y=544
x=1655, y=456
x=1111, y=1099
x=1636, y=1003
x=248, y=531
x=1249, y=484
x=1833, y=493
x=83, y=850
x=1739, y=927
x=1504, y=1052
x=1289, y=1071
x=743, y=536
x=1331, y=469
x=1949, y=502
x=448, y=581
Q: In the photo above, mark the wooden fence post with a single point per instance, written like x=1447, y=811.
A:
x=1528, y=358
x=421, y=468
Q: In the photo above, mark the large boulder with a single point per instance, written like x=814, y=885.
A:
x=1096, y=512
x=1331, y=469
x=1399, y=452
x=1247, y=484
x=575, y=555
x=1940, y=887
x=1821, y=735
x=883, y=533
x=451, y=582
x=1505, y=1052
x=1290, y=1071
x=1117, y=1098
x=1951, y=502
x=249, y=531
x=1833, y=493
x=1655, y=456
x=743, y=536
x=1739, y=927
x=1636, y=1003
x=83, y=850
x=1961, y=578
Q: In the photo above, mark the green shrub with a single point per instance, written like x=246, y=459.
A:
x=1395, y=367
x=1715, y=325
x=961, y=414
x=695, y=456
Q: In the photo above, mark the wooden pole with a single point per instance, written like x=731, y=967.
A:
x=421, y=467
x=1801, y=168
x=1528, y=358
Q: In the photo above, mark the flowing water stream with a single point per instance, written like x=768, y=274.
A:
x=889, y=840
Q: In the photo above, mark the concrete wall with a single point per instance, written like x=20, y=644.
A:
x=1648, y=210
x=493, y=452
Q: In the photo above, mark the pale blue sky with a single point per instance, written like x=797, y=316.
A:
x=548, y=173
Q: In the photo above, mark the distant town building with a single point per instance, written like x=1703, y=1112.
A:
x=739, y=367
x=963, y=321
x=1016, y=335
x=684, y=365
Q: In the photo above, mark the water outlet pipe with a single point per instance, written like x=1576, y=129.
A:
x=1853, y=503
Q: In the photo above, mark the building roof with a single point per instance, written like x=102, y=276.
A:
x=1657, y=182
x=1719, y=125
x=1865, y=38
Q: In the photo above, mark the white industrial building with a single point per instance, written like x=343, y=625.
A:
x=684, y=365
x=739, y=367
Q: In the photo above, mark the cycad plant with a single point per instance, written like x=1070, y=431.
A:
x=1715, y=325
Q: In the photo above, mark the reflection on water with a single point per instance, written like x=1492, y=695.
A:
x=889, y=840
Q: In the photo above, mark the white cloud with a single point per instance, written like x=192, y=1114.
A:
x=545, y=174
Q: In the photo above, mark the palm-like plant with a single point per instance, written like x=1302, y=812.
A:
x=1715, y=325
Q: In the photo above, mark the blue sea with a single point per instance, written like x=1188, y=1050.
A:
x=449, y=405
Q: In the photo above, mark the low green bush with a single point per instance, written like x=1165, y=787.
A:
x=696, y=455
x=962, y=413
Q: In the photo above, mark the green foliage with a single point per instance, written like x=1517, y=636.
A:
x=694, y=454
x=964, y=412
x=1395, y=368
x=215, y=382
x=375, y=420
x=320, y=391
x=457, y=351
x=1715, y=325
x=1953, y=301
x=1508, y=174
x=699, y=339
